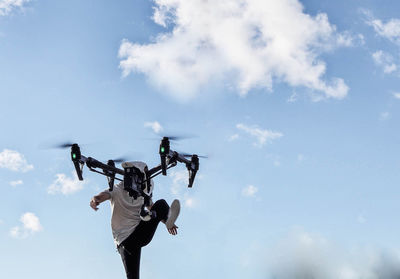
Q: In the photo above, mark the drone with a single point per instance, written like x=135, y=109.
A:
x=136, y=182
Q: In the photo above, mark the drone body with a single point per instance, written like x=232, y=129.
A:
x=136, y=180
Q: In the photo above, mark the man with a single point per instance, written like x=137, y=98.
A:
x=130, y=233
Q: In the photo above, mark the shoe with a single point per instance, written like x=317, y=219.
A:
x=173, y=214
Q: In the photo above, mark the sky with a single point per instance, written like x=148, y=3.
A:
x=295, y=103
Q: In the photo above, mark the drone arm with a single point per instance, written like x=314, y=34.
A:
x=96, y=171
x=191, y=165
x=93, y=163
x=152, y=171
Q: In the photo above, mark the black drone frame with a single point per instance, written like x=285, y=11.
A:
x=169, y=159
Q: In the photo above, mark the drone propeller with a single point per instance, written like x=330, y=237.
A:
x=176, y=138
x=120, y=160
x=64, y=145
x=190, y=155
x=172, y=137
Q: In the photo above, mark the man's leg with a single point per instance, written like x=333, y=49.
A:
x=130, y=256
x=144, y=232
x=131, y=247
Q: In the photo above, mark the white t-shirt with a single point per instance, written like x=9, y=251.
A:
x=124, y=212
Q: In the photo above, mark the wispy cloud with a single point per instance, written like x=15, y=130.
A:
x=7, y=6
x=233, y=137
x=189, y=202
x=180, y=180
x=247, y=44
x=262, y=136
x=384, y=60
x=155, y=126
x=16, y=183
x=389, y=30
x=396, y=95
x=293, y=98
x=30, y=225
x=65, y=185
x=249, y=191
x=13, y=160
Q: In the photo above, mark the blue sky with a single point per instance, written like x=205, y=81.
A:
x=296, y=104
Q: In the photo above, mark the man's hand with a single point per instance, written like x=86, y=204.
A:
x=173, y=230
x=94, y=202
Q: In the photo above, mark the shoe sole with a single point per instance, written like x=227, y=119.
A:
x=174, y=213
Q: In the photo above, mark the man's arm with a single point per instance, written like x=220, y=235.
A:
x=98, y=199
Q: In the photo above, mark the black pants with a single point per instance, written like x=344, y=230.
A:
x=130, y=248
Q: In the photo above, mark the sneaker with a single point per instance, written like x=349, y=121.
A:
x=173, y=214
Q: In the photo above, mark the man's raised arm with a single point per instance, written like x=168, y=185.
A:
x=98, y=199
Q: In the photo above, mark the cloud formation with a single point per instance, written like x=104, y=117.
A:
x=262, y=136
x=16, y=183
x=396, y=95
x=304, y=255
x=65, y=185
x=389, y=30
x=155, y=126
x=246, y=44
x=249, y=191
x=180, y=180
x=13, y=160
x=384, y=60
x=30, y=225
x=7, y=6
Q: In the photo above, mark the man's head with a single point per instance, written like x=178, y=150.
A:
x=137, y=164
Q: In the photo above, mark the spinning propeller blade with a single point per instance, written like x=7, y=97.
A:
x=120, y=160
x=64, y=145
x=190, y=155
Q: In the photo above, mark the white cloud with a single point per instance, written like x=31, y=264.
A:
x=180, y=180
x=396, y=95
x=389, y=30
x=155, y=126
x=293, y=98
x=12, y=160
x=30, y=225
x=249, y=191
x=16, y=183
x=262, y=136
x=233, y=137
x=65, y=185
x=189, y=202
x=246, y=44
x=6, y=6
x=304, y=255
x=385, y=60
